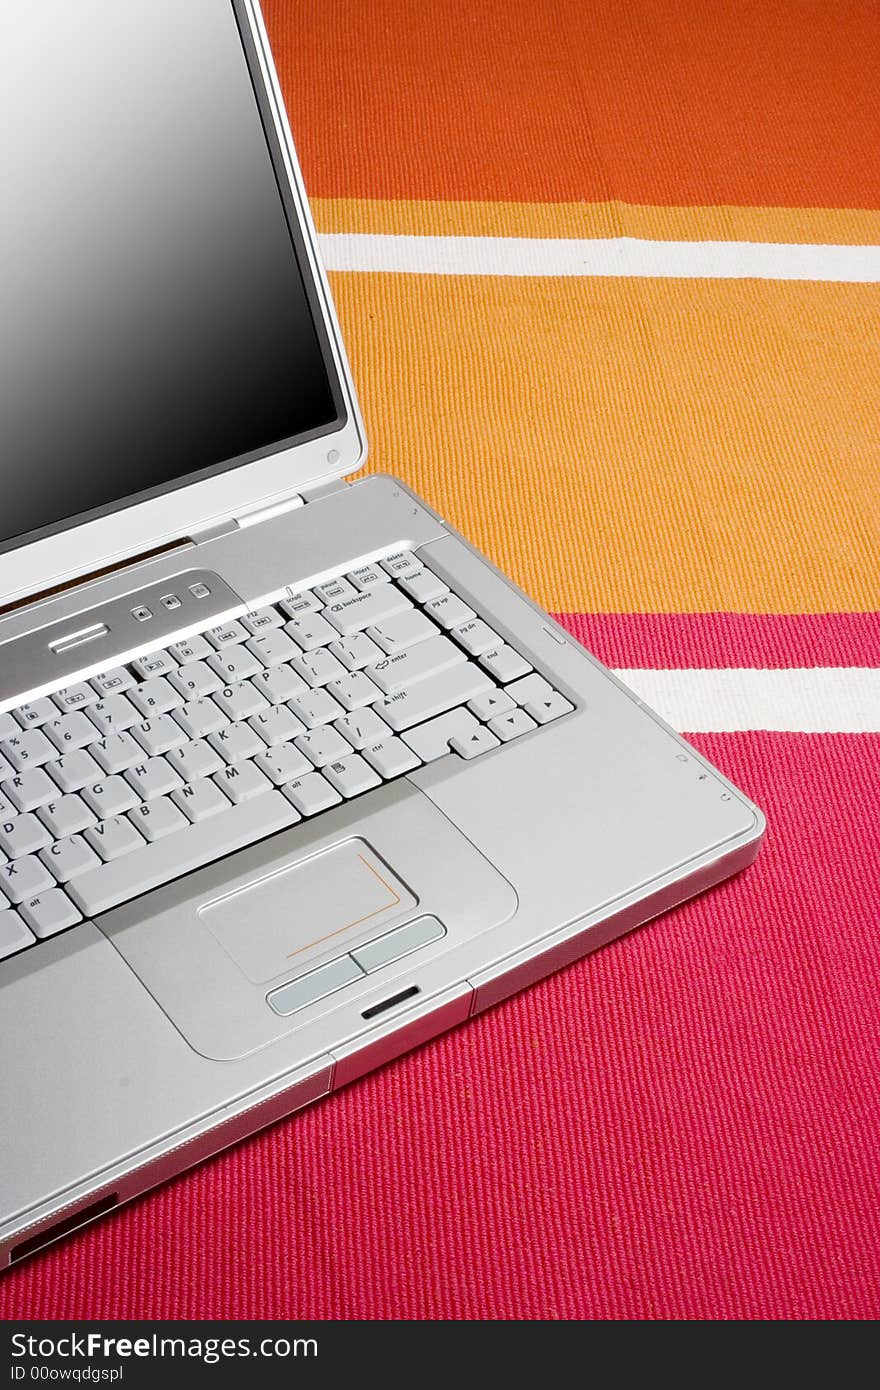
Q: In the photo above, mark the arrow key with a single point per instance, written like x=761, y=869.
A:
x=508, y=726
x=472, y=745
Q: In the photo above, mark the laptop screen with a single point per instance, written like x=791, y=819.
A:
x=155, y=325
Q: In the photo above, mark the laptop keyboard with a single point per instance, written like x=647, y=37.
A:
x=117, y=785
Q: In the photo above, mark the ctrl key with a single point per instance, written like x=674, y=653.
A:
x=14, y=935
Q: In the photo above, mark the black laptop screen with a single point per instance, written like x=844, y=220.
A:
x=154, y=321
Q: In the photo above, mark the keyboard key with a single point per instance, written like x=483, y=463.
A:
x=235, y=664
x=156, y=664
x=8, y=727
x=401, y=564
x=318, y=667
x=367, y=577
x=14, y=935
x=200, y=800
x=449, y=611
x=391, y=757
x=74, y=697
x=351, y=776
x=36, y=714
x=153, y=778
x=242, y=782
x=109, y=797
x=539, y=700
x=494, y=702
x=482, y=740
x=75, y=770
x=190, y=649
x=239, y=702
x=112, y=838
x=272, y=648
x=49, y=912
x=280, y=684
x=200, y=717
x=262, y=620
x=476, y=637
x=315, y=707
x=236, y=743
x=508, y=726
x=354, y=690
x=29, y=790
x=116, y=753
x=66, y=816
x=196, y=680
x=432, y=696
x=28, y=748
x=505, y=664
x=423, y=586
x=69, y=858
x=357, y=614
x=432, y=740
x=167, y=859
x=156, y=696
x=155, y=819
x=226, y=635
x=311, y=794
x=407, y=668
x=324, y=745
x=24, y=878
x=310, y=631
x=356, y=652
x=276, y=726
x=283, y=764
x=113, y=714
x=22, y=835
x=362, y=726
x=194, y=760
x=114, y=682
x=335, y=590
x=158, y=734
x=71, y=731
x=300, y=604
x=402, y=631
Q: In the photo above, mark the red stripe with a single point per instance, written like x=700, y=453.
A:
x=685, y=1125
x=671, y=640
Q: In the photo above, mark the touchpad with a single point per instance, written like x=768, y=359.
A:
x=288, y=916
x=324, y=901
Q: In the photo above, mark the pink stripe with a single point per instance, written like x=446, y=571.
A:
x=662, y=641
x=685, y=1125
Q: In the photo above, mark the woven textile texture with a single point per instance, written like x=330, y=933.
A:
x=608, y=272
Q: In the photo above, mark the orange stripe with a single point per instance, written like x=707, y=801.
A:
x=636, y=446
x=817, y=226
x=673, y=102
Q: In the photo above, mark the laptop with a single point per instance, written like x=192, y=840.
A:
x=291, y=777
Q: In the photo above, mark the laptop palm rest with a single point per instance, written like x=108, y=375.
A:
x=298, y=932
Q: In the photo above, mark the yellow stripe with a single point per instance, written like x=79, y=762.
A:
x=817, y=226
x=636, y=446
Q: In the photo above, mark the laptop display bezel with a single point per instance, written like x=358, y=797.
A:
x=134, y=525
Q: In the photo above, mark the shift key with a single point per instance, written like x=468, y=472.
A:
x=433, y=696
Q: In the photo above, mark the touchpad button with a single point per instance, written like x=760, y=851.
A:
x=290, y=917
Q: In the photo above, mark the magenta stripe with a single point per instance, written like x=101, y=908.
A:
x=671, y=640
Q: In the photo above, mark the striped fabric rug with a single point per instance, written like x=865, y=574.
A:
x=608, y=271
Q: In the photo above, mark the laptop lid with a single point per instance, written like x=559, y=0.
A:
x=169, y=354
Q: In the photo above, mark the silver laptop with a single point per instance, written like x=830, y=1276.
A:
x=291, y=778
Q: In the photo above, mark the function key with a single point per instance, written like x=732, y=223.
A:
x=112, y=682
x=190, y=649
x=156, y=664
x=37, y=713
x=401, y=564
x=262, y=620
x=226, y=635
x=367, y=577
x=334, y=590
x=73, y=697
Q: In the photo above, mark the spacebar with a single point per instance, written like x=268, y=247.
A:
x=180, y=853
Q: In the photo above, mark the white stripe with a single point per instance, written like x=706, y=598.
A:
x=619, y=256
x=820, y=700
